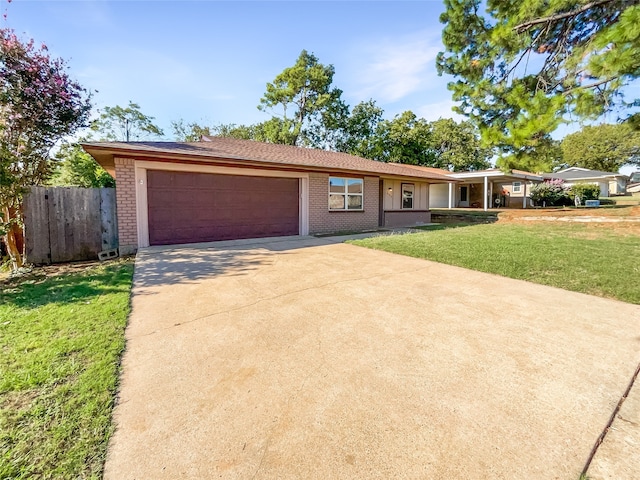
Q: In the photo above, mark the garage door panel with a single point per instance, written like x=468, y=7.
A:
x=197, y=207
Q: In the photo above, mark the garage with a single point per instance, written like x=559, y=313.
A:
x=188, y=207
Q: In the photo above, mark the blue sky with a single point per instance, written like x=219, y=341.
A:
x=209, y=61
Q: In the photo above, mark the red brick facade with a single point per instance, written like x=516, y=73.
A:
x=321, y=220
x=126, y=205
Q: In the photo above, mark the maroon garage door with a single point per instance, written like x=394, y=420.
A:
x=200, y=207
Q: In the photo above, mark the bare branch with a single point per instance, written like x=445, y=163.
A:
x=559, y=16
x=591, y=85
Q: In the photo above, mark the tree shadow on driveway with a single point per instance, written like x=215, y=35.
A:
x=161, y=266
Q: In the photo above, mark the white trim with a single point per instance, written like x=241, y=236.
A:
x=479, y=175
x=513, y=187
x=142, y=208
x=485, y=190
x=413, y=193
x=346, y=195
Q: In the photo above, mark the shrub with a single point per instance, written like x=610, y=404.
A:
x=549, y=192
x=586, y=191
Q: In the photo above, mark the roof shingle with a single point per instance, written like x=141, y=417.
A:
x=219, y=148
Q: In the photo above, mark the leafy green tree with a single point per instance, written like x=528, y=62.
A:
x=406, y=139
x=522, y=66
x=586, y=191
x=242, y=132
x=79, y=169
x=544, y=155
x=308, y=102
x=125, y=124
x=358, y=134
x=457, y=146
x=605, y=147
x=189, y=132
x=39, y=105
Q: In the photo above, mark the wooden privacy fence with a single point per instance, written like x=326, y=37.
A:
x=64, y=224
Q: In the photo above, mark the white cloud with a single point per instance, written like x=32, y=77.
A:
x=435, y=111
x=393, y=68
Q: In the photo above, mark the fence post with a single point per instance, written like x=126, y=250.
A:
x=36, y=226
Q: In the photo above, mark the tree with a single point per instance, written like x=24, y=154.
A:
x=548, y=193
x=406, y=139
x=524, y=66
x=79, y=169
x=307, y=99
x=545, y=155
x=411, y=140
x=605, y=147
x=39, y=104
x=125, y=124
x=189, y=132
x=76, y=168
x=358, y=134
x=457, y=146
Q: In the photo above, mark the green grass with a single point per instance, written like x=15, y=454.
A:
x=61, y=339
x=582, y=258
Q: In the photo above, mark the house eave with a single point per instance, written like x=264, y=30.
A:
x=106, y=155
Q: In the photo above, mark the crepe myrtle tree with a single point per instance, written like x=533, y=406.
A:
x=39, y=105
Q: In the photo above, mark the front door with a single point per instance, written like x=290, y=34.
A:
x=464, y=196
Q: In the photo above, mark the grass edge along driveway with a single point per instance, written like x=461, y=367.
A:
x=590, y=259
x=61, y=340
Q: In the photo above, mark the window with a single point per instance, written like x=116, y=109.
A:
x=517, y=187
x=345, y=193
x=407, y=195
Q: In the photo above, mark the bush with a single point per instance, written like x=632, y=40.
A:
x=549, y=192
x=586, y=191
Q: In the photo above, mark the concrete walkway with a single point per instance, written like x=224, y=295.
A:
x=311, y=359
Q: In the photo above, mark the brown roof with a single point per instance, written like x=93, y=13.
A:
x=233, y=151
x=439, y=171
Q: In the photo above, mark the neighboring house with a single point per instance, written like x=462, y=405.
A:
x=633, y=187
x=224, y=188
x=485, y=189
x=610, y=183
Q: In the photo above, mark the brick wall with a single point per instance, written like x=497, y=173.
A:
x=406, y=218
x=126, y=203
x=321, y=220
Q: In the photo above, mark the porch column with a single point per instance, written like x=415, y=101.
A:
x=450, y=195
x=486, y=186
x=491, y=195
x=524, y=197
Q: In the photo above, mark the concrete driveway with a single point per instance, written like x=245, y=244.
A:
x=305, y=359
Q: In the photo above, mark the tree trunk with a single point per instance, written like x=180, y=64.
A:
x=10, y=241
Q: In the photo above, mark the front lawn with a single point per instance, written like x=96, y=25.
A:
x=593, y=259
x=61, y=339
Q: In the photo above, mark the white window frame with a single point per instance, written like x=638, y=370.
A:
x=516, y=187
x=413, y=196
x=346, y=194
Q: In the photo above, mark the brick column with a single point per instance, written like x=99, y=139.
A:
x=126, y=204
